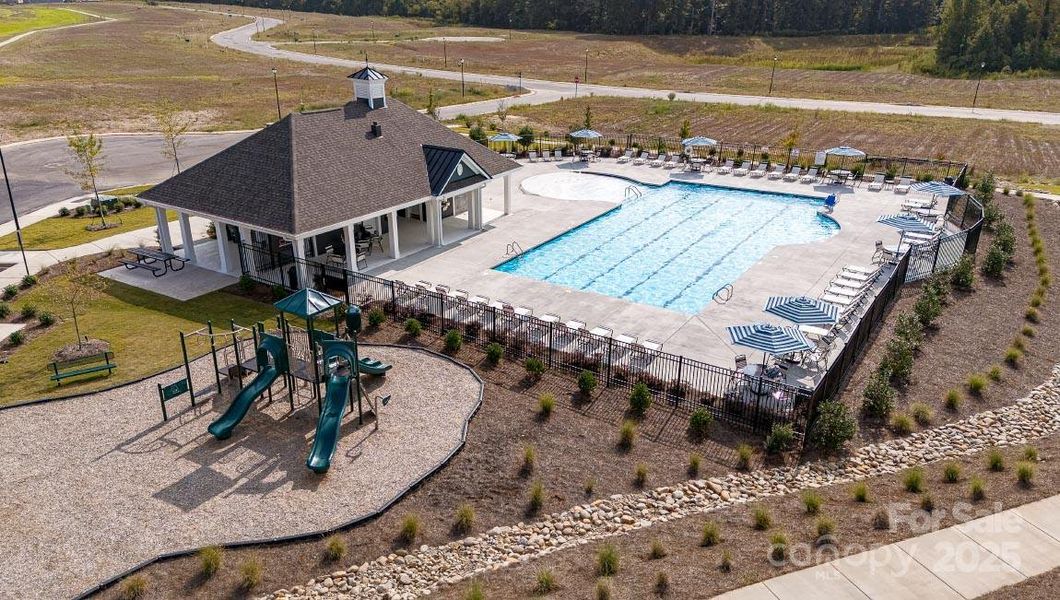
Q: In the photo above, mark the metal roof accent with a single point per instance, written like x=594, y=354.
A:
x=368, y=74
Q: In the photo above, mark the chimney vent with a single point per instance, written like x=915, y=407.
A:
x=377, y=129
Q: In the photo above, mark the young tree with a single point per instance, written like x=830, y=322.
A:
x=790, y=141
x=432, y=108
x=88, y=151
x=588, y=117
x=74, y=287
x=172, y=126
x=502, y=113
x=686, y=130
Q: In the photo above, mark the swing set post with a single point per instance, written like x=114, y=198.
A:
x=187, y=367
x=235, y=349
x=213, y=354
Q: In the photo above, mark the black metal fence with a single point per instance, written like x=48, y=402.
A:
x=946, y=251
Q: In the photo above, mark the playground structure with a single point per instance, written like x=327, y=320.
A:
x=299, y=357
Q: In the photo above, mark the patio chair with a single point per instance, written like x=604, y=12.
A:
x=918, y=204
x=558, y=154
x=777, y=172
x=743, y=169
x=883, y=254
x=759, y=172
x=843, y=291
x=656, y=159
x=463, y=294
x=479, y=300
x=626, y=338
x=670, y=162
x=641, y=158
x=793, y=175
x=850, y=284
x=726, y=168
x=424, y=285
x=903, y=185
x=545, y=156
x=531, y=156
x=443, y=289
x=810, y=176
x=877, y=182
x=840, y=301
x=625, y=158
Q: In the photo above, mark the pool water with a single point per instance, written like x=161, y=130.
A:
x=676, y=245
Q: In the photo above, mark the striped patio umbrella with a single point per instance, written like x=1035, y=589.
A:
x=699, y=140
x=845, y=151
x=504, y=136
x=768, y=338
x=906, y=222
x=586, y=134
x=936, y=188
x=802, y=310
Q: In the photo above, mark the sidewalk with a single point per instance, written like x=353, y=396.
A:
x=961, y=562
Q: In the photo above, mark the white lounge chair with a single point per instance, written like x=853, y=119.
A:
x=743, y=169
x=777, y=172
x=726, y=168
x=524, y=311
x=759, y=172
x=903, y=185
x=877, y=182
x=531, y=156
x=656, y=160
x=642, y=158
x=810, y=176
x=650, y=344
x=670, y=162
x=625, y=158
x=793, y=175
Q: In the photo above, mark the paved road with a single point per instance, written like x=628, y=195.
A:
x=38, y=168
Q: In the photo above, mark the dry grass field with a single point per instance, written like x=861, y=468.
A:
x=112, y=76
x=1013, y=149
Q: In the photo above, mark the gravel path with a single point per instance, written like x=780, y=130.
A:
x=91, y=487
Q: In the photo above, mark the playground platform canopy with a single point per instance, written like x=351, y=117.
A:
x=307, y=303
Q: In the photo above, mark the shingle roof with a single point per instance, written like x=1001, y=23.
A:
x=316, y=169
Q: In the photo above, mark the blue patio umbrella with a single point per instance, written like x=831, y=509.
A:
x=699, y=140
x=845, y=151
x=768, y=338
x=586, y=134
x=937, y=188
x=906, y=222
x=802, y=310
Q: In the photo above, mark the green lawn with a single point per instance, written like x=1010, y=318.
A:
x=62, y=232
x=142, y=330
x=20, y=19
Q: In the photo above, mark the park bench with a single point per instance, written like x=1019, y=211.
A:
x=64, y=369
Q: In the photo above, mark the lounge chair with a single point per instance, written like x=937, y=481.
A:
x=625, y=158
x=839, y=290
x=883, y=253
x=670, y=162
x=602, y=331
x=726, y=168
x=626, y=338
x=840, y=301
x=777, y=172
x=903, y=185
x=443, y=289
x=641, y=158
x=872, y=271
x=743, y=169
x=655, y=160
x=650, y=344
x=877, y=182
x=524, y=311
x=462, y=294
x=759, y=172
x=424, y=285
x=810, y=176
x=793, y=175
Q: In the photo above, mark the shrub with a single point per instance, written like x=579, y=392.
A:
x=901, y=424
x=246, y=283
x=921, y=413
x=909, y=328
x=546, y=581
x=976, y=384
x=879, y=396
x=529, y=459
x=627, y=434
x=250, y=573
x=413, y=327
x=833, y=427
x=725, y=566
x=657, y=550
x=588, y=486
x=603, y=590
x=1013, y=356
x=951, y=473
x=453, y=341
x=699, y=424
x=898, y=359
x=927, y=308
x=861, y=492
x=938, y=286
x=1030, y=453
x=494, y=353
x=694, y=461
x=778, y=543
x=976, y=489
x=639, y=399
x=607, y=561
x=46, y=319
x=17, y=338
x=474, y=591
x=28, y=311
x=995, y=374
x=5, y=310
x=334, y=548
x=376, y=317
x=995, y=461
x=28, y=281
x=586, y=382
x=962, y=275
x=537, y=498
x=133, y=587
x=10, y=291
x=824, y=527
x=881, y=521
x=927, y=503
x=711, y=534
x=994, y=262
x=953, y=400
x=1025, y=474
x=64, y=211
x=640, y=475
x=210, y=560
x=914, y=480
x=761, y=519
x=812, y=502
x=546, y=403
x=465, y=519
x=780, y=438
x=662, y=583
x=535, y=368
x=744, y=454
x=278, y=292
x=1032, y=315
x=410, y=529
x=80, y=211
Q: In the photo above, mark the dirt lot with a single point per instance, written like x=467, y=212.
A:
x=1006, y=148
x=111, y=77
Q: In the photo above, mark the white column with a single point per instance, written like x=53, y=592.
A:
x=432, y=227
x=439, y=239
x=507, y=194
x=185, y=237
x=245, y=238
x=476, y=201
x=351, y=246
x=299, y=255
x=471, y=210
x=164, y=239
x=222, y=244
x=395, y=243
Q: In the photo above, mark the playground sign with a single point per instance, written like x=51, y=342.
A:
x=171, y=391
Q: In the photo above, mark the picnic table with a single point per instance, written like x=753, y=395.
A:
x=148, y=259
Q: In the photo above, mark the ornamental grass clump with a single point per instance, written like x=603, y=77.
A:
x=627, y=435
x=1025, y=474
x=607, y=561
x=209, y=561
x=761, y=519
x=334, y=549
x=976, y=384
x=812, y=502
x=914, y=480
x=951, y=473
x=921, y=413
x=953, y=400
x=860, y=491
x=711, y=534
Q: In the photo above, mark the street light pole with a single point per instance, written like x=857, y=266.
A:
x=509, y=29
x=314, y=41
x=276, y=86
x=14, y=213
x=461, y=78
x=575, y=86
x=585, y=74
x=520, y=80
x=445, y=54
x=771, y=75
x=982, y=66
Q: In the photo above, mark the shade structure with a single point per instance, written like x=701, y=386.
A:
x=769, y=338
x=699, y=140
x=802, y=310
x=307, y=303
x=586, y=134
x=906, y=222
x=936, y=188
x=504, y=136
x=845, y=151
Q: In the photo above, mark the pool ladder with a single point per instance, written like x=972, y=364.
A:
x=513, y=249
x=632, y=191
x=723, y=294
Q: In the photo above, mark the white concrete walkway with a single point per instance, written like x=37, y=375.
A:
x=961, y=562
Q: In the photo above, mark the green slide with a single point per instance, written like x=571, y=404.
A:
x=337, y=393
x=267, y=374
x=373, y=367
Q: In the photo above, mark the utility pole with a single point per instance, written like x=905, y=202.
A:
x=772, y=75
x=314, y=41
x=520, y=80
x=276, y=86
x=14, y=213
x=982, y=66
x=445, y=54
x=461, y=78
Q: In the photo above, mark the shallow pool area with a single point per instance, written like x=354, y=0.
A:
x=674, y=246
x=572, y=185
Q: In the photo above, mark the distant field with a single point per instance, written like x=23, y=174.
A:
x=20, y=19
x=82, y=74
x=1012, y=149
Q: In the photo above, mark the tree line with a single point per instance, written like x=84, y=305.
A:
x=998, y=35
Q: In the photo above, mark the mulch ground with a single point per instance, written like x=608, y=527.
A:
x=694, y=572
x=1043, y=587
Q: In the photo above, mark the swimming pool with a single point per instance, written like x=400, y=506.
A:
x=674, y=246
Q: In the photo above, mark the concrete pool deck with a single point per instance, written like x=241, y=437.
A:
x=785, y=270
